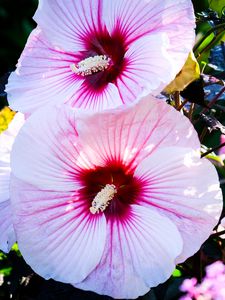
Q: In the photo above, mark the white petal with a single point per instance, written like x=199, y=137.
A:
x=56, y=234
x=184, y=188
x=139, y=254
x=130, y=134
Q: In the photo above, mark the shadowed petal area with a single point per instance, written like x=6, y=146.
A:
x=139, y=253
x=56, y=234
x=185, y=188
x=4, y=175
x=7, y=235
x=43, y=75
x=129, y=135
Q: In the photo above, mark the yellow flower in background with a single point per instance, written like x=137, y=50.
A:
x=189, y=73
x=6, y=116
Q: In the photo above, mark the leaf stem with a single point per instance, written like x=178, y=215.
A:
x=218, y=233
x=182, y=105
x=213, y=101
x=191, y=111
x=204, y=131
x=212, y=150
x=177, y=100
x=198, y=44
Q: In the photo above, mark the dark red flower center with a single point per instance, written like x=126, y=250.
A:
x=128, y=187
x=112, y=46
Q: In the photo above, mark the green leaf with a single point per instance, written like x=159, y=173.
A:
x=2, y=256
x=215, y=158
x=16, y=249
x=177, y=273
x=217, y=5
x=6, y=271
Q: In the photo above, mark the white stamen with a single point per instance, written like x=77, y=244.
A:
x=102, y=199
x=91, y=65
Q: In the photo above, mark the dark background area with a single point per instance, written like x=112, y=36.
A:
x=16, y=24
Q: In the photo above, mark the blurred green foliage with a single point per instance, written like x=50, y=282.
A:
x=16, y=24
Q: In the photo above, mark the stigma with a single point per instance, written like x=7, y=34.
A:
x=103, y=198
x=90, y=65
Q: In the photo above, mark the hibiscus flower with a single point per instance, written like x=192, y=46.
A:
x=110, y=202
x=7, y=234
x=99, y=54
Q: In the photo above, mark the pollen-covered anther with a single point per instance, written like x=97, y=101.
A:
x=91, y=65
x=102, y=199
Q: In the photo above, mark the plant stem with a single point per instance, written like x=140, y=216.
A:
x=177, y=100
x=211, y=103
x=182, y=105
x=204, y=131
x=218, y=233
x=191, y=111
x=207, y=34
x=212, y=150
